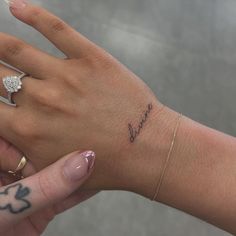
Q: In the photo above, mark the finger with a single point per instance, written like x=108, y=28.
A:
x=46, y=188
x=20, y=98
x=64, y=37
x=7, y=113
x=26, y=58
x=73, y=200
x=6, y=179
x=6, y=71
x=10, y=158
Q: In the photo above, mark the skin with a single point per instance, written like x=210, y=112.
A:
x=98, y=98
x=92, y=101
x=27, y=206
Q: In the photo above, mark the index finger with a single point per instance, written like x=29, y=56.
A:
x=63, y=36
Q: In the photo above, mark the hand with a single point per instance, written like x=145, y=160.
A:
x=27, y=206
x=88, y=100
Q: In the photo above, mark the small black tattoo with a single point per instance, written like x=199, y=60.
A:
x=135, y=131
x=13, y=199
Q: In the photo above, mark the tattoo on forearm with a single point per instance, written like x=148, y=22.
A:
x=135, y=131
x=13, y=199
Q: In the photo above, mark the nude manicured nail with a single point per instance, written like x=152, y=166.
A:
x=16, y=4
x=78, y=166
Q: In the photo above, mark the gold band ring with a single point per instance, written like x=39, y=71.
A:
x=20, y=167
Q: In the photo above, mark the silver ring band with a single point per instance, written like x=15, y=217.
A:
x=12, y=84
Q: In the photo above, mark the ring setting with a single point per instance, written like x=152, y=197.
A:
x=12, y=84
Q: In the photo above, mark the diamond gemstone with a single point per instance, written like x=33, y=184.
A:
x=12, y=83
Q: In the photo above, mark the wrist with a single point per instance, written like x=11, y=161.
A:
x=137, y=165
x=141, y=163
x=154, y=152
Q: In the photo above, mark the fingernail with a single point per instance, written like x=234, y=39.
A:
x=16, y=4
x=78, y=166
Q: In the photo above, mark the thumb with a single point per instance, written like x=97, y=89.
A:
x=47, y=187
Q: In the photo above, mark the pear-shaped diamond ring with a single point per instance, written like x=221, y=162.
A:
x=12, y=84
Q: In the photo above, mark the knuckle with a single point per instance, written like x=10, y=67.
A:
x=57, y=25
x=101, y=61
x=38, y=16
x=13, y=47
x=74, y=82
x=48, y=97
x=45, y=187
x=87, y=65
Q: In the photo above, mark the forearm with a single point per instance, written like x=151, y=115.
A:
x=101, y=99
x=200, y=178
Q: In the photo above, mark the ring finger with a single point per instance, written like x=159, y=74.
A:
x=27, y=82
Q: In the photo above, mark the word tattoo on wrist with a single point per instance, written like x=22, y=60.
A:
x=135, y=131
x=13, y=199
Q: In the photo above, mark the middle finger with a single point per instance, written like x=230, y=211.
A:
x=10, y=157
x=27, y=58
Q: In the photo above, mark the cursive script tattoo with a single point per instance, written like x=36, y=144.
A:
x=135, y=131
x=13, y=199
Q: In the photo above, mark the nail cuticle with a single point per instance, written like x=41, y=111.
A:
x=16, y=4
x=78, y=165
x=90, y=157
